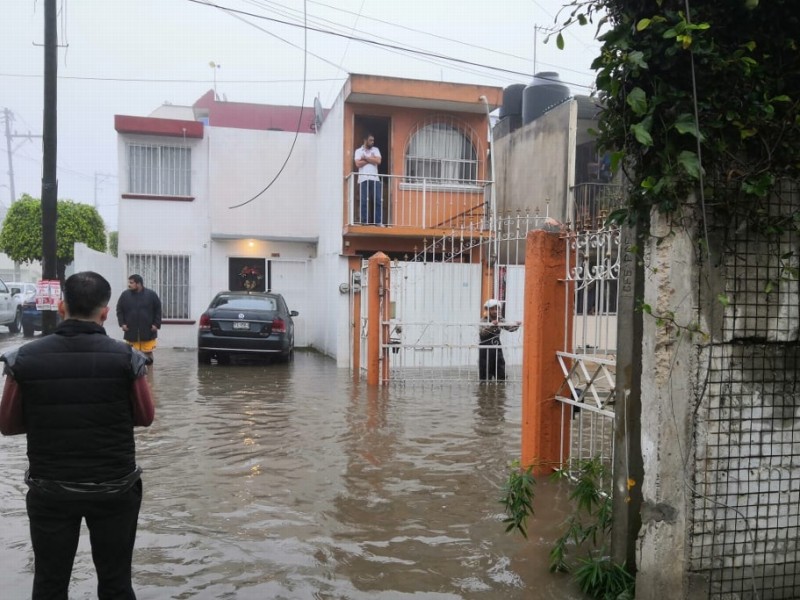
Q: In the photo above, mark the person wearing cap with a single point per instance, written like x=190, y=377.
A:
x=491, y=362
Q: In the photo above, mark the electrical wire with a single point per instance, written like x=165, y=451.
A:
x=379, y=44
x=299, y=122
x=340, y=29
x=147, y=80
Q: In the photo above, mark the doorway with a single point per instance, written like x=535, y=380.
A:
x=380, y=128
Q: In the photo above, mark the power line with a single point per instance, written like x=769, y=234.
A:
x=287, y=12
x=340, y=29
x=148, y=80
x=299, y=120
x=371, y=42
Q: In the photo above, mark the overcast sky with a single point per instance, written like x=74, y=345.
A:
x=131, y=56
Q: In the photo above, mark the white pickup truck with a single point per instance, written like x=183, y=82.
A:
x=10, y=308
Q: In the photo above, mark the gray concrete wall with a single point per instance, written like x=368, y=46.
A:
x=535, y=163
x=720, y=424
x=669, y=369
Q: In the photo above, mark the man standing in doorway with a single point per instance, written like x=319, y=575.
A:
x=78, y=394
x=139, y=315
x=491, y=362
x=367, y=158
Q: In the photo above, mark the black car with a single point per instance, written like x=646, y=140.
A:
x=254, y=323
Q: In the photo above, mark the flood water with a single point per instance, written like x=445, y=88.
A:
x=292, y=482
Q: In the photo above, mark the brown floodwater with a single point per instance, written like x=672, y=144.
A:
x=291, y=482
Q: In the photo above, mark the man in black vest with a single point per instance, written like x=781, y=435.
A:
x=78, y=394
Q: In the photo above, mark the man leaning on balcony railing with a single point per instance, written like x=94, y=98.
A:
x=367, y=158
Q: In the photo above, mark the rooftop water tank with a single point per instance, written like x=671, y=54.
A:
x=544, y=92
x=512, y=100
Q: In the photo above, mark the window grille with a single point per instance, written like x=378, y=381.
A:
x=168, y=276
x=159, y=170
x=443, y=153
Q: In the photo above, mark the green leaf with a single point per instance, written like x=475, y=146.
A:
x=637, y=100
x=637, y=58
x=685, y=123
x=691, y=163
x=723, y=299
x=641, y=134
x=560, y=41
x=643, y=24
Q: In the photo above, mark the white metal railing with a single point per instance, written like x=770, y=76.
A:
x=418, y=202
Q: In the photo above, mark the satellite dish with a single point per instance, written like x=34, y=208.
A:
x=317, y=114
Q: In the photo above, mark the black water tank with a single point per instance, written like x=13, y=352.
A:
x=545, y=91
x=512, y=100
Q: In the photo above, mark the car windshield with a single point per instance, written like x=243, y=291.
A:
x=246, y=303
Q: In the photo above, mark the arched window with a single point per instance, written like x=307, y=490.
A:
x=442, y=153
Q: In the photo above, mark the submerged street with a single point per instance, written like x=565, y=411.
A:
x=290, y=481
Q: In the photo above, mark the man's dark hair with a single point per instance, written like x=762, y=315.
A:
x=85, y=293
x=368, y=135
x=136, y=279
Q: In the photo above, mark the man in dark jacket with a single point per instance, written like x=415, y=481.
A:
x=78, y=394
x=139, y=315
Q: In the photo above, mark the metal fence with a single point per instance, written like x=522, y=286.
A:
x=745, y=535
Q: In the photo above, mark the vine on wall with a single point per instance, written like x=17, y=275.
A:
x=695, y=92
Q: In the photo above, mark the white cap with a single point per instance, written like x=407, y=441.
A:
x=491, y=303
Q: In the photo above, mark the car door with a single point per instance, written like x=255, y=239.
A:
x=6, y=303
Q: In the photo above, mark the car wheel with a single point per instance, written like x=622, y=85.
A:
x=16, y=325
x=27, y=329
x=223, y=359
x=286, y=358
x=203, y=357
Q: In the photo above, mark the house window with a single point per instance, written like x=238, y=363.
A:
x=168, y=276
x=442, y=153
x=159, y=170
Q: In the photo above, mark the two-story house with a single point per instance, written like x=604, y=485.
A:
x=217, y=190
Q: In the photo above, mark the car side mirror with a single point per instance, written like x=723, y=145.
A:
x=294, y=313
x=15, y=291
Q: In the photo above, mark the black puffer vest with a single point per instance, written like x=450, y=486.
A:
x=76, y=393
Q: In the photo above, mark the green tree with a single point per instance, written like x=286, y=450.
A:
x=113, y=242
x=21, y=235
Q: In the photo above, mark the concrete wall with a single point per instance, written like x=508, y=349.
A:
x=669, y=370
x=535, y=163
x=720, y=427
x=242, y=163
x=330, y=308
x=109, y=267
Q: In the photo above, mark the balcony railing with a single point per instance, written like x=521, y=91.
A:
x=418, y=202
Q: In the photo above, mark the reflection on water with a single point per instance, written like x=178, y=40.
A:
x=290, y=481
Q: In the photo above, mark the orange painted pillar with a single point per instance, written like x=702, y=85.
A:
x=546, y=317
x=377, y=314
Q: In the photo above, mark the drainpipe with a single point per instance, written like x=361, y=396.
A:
x=493, y=201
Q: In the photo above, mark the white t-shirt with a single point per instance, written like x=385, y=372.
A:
x=368, y=172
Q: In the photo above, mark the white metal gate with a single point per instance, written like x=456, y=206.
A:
x=589, y=360
x=436, y=308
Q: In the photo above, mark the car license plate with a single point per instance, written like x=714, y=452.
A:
x=241, y=325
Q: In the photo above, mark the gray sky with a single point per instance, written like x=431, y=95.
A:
x=131, y=56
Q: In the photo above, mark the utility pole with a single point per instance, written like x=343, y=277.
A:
x=8, y=117
x=50, y=152
x=536, y=30
x=98, y=179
